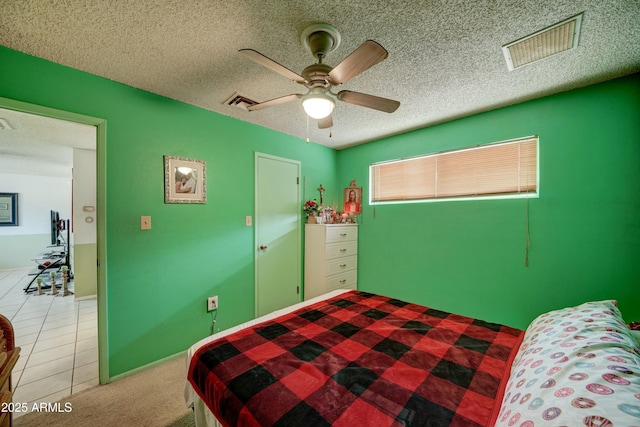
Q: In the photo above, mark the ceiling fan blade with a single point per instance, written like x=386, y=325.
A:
x=369, y=101
x=259, y=58
x=325, y=123
x=364, y=57
x=274, y=101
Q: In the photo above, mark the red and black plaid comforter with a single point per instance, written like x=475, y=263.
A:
x=357, y=359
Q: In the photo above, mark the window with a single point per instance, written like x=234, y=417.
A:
x=504, y=169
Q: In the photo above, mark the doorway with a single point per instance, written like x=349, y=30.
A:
x=98, y=213
x=278, y=233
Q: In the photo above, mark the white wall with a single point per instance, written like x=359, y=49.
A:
x=84, y=223
x=84, y=196
x=37, y=196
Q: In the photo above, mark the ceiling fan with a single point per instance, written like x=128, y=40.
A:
x=320, y=78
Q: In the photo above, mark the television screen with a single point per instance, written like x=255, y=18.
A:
x=55, y=228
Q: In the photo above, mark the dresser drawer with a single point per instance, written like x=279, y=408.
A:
x=336, y=250
x=342, y=265
x=331, y=258
x=348, y=280
x=341, y=234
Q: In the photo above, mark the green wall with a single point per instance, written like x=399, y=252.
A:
x=469, y=256
x=157, y=281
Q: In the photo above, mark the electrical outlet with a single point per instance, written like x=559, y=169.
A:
x=212, y=303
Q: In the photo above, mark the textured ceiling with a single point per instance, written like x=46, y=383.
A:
x=445, y=59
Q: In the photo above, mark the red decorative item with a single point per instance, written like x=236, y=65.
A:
x=310, y=206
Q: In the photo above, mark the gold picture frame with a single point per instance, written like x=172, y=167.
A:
x=185, y=180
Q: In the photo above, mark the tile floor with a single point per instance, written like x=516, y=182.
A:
x=58, y=337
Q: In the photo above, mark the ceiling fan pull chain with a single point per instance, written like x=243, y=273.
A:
x=307, y=129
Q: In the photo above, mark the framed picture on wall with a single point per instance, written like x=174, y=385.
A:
x=353, y=200
x=184, y=180
x=8, y=209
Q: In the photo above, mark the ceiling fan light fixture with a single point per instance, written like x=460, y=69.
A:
x=320, y=78
x=318, y=105
x=320, y=39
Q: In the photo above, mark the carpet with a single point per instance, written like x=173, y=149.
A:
x=152, y=398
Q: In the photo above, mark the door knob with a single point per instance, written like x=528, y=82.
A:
x=263, y=247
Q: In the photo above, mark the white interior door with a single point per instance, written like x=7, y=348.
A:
x=278, y=233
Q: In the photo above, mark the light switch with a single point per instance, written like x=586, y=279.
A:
x=145, y=223
x=247, y=220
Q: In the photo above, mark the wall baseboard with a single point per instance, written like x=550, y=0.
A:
x=147, y=366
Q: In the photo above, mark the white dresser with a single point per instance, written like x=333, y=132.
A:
x=331, y=258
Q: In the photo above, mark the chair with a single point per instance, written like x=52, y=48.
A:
x=9, y=354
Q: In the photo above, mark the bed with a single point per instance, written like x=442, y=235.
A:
x=355, y=358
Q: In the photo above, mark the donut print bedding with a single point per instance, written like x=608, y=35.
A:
x=579, y=366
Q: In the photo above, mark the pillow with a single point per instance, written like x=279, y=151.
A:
x=575, y=366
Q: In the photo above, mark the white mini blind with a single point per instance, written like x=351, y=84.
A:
x=504, y=168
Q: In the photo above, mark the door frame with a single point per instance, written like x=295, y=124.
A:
x=257, y=156
x=101, y=230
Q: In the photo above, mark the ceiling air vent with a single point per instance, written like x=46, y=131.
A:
x=543, y=44
x=240, y=101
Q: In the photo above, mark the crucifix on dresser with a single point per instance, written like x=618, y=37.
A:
x=320, y=190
